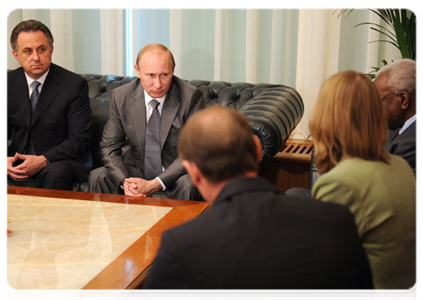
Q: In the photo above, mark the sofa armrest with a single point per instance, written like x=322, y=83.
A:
x=272, y=110
x=273, y=113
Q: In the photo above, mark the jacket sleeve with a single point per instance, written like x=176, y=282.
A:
x=365, y=273
x=79, y=119
x=111, y=144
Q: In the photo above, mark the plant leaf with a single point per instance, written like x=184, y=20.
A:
x=381, y=29
x=399, y=27
x=401, y=36
x=386, y=41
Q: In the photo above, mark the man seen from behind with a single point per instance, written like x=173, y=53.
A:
x=253, y=236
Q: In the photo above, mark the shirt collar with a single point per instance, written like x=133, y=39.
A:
x=41, y=80
x=407, y=124
x=148, y=98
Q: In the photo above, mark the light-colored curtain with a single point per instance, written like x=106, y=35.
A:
x=78, y=38
x=317, y=58
x=231, y=45
x=295, y=47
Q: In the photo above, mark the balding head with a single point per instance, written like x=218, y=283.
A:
x=220, y=142
x=156, y=48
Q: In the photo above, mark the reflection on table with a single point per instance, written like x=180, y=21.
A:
x=62, y=243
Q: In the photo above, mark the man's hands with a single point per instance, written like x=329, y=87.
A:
x=31, y=165
x=141, y=187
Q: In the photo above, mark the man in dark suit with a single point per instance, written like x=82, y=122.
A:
x=253, y=236
x=49, y=115
x=396, y=83
x=128, y=144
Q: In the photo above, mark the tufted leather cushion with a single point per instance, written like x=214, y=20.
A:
x=272, y=110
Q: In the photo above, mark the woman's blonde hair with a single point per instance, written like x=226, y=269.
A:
x=347, y=121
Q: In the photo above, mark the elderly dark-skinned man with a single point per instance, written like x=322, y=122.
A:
x=396, y=83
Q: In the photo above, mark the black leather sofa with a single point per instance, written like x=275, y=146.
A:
x=273, y=110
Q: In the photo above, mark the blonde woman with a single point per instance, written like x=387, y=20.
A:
x=350, y=132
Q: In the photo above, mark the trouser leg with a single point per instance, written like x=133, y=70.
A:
x=298, y=192
x=99, y=181
x=184, y=189
x=58, y=175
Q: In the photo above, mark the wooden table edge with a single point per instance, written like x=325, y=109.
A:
x=135, y=261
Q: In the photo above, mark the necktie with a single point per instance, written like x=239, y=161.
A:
x=34, y=99
x=152, y=159
x=35, y=94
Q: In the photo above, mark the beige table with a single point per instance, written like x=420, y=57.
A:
x=73, y=240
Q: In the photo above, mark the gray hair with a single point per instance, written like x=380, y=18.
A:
x=401, y=75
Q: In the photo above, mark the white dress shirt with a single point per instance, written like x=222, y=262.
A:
x=407, y=124
x=41, y=80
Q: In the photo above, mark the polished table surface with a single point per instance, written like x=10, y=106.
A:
x=72, y=240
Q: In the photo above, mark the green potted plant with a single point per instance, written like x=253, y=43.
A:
x=398, y=28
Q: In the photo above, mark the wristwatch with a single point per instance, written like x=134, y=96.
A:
x=122, y=182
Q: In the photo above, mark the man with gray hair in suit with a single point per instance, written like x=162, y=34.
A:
x=396, y=83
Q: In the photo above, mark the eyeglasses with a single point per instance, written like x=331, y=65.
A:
x=396, y=92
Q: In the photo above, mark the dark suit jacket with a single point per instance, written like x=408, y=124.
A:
x=123, y=143
x=60, y=126
x=256, y=237
x=404, y=145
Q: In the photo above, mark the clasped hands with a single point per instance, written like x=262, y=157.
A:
x=31, y=165
x=140, y=187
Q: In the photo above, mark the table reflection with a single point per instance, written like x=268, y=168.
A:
x=63, y=244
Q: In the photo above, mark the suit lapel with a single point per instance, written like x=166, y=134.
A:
x=137, y=113
x=394, y=139
x=392, y=135
x=48, y=93
x=410, y=132
x=169, y=111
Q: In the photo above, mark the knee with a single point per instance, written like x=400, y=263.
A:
x=99, y=181
x=96, y=174
x=58, y=171
x=298, y=192
x=57, y=175
x=185, y=189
